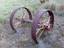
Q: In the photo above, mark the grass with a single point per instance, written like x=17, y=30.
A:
x=6, y=6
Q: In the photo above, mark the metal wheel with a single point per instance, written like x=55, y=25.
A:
x=20, y=18
x=43, y=22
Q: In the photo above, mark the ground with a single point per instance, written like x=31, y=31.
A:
x=9, y=39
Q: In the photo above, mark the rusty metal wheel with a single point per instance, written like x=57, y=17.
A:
x=43, y=22
x=19, y=17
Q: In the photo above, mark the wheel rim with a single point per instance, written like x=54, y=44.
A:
x=18, y=11
x=36, y=22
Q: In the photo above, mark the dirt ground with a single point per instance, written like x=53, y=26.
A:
x=9, y=39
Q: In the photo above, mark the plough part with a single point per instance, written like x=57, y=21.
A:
x=36, y=22
x=14, y=12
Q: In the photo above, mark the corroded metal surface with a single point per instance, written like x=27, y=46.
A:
x=36, y=22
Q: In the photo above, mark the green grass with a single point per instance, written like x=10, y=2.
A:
x=6, y=6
